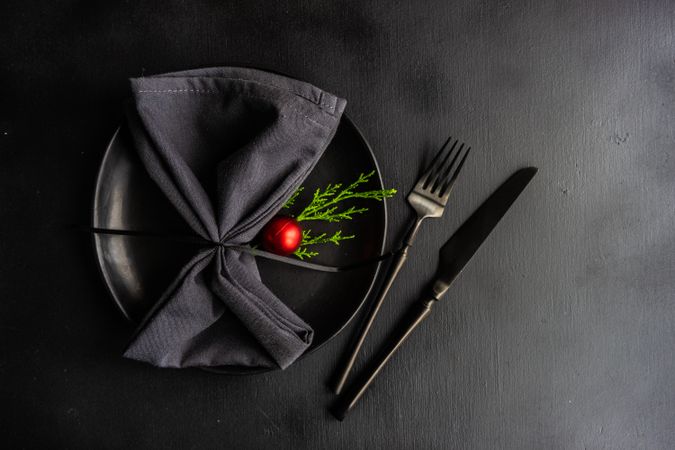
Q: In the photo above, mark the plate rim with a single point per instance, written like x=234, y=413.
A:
x=237, y=370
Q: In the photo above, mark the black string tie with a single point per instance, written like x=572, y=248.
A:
x=243, y=248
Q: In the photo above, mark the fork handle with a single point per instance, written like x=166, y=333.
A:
x=343, y=374
x=417, y=313
x=395, y=268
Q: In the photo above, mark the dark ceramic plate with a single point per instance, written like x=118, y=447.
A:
x=137, y=270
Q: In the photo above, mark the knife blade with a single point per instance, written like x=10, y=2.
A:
x=459, y=249
x=454, y=255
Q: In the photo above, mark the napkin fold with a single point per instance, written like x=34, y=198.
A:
x=228, y=147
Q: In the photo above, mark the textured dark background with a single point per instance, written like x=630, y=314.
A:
x=559, y=334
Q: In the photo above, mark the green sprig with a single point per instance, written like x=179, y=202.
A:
x=323, y=204
x=291, y=201
x=323, y=238
x=303, y=253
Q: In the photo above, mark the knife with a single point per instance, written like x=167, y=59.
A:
x=454, y=255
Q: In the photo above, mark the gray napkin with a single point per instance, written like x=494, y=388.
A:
x=227, y=146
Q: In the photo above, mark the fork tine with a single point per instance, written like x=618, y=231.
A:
x=437, y=169
x=431, y=170
x=443, y=174
x=447, y=187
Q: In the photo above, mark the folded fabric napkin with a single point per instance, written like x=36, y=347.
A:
x=228, y=147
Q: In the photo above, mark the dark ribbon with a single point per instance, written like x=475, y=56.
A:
x=253, y=251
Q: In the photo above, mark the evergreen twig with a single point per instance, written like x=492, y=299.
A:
x=323, y=238
x=303, y=253
x=291, y=201
x=325, y=206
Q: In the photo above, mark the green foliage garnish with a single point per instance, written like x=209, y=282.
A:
x=303, y=253
x=323, y=238
x=325, y=205
x=291, y=201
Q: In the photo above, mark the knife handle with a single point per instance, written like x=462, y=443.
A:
x=417, y=313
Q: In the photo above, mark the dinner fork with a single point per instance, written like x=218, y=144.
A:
x=428, y=198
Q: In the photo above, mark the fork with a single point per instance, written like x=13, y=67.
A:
x=428, y=198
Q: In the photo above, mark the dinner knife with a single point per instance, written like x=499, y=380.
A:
x=454, y=255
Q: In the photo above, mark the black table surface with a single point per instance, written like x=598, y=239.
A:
x=559, y=333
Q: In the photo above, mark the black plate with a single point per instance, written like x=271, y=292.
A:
x=137, y=270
